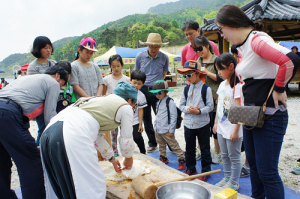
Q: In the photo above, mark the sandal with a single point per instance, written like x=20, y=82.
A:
x=245, y=172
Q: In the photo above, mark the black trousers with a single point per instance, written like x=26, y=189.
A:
x=147, y=119
x=17, y=143
x=138, y=138
x=203, y=135
x=56, y=161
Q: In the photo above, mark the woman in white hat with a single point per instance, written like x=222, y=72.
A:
x=69, y=157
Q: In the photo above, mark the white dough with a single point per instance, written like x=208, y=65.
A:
x=138, y=169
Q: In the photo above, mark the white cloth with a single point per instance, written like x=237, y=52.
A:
x=225, y=93
x=141, y=103
x=110, y=82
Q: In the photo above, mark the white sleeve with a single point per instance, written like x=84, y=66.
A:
x=141, y=100
x=237, y=92
x=125, y=116
x=103, y=147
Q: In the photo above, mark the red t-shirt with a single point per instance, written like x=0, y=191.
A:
x=188, y=52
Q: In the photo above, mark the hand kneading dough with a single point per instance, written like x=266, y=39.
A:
x=139, y=168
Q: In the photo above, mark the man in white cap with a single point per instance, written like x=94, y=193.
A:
x=155, y=65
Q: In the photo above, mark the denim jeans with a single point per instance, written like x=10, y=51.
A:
x=203, y=135
x=17, y=143
x=231, y=155
x=147, y=119
x=262, y=146
x=41, y=125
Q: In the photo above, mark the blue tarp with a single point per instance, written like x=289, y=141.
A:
x=289, y=45
x=245, y=186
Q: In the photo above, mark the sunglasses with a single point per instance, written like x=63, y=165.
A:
x=158, y=93
x=220, y=29
x=188, y=75
x=200, y=48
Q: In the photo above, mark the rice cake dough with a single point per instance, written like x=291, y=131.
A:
x=138, y=169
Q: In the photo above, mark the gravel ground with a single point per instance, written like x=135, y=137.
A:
x=290, y=151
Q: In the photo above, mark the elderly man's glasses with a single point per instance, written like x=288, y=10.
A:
x=220, y=28
x=200, y=48
x=158, y=93
x=188, y=75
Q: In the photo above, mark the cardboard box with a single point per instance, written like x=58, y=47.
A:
x=226, y=194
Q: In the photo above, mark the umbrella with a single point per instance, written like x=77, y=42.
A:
x=1, y=71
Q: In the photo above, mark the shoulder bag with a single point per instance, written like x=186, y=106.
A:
x=250, y=116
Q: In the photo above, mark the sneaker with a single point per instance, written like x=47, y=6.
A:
x=163, y=159
x=151, y=149
x=198, y=154
x=245, y=171
x=217, y=158
x=203, y=178
x=231, y=186
x=296, y=169
x=190, y=173
x=222, y=182
x=181, y=165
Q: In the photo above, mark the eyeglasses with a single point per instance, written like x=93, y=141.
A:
x=188, y=75
x=200, y=48
x=158, y=93
x=220, y=29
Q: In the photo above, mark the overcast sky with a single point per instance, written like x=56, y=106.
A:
x=22, y=20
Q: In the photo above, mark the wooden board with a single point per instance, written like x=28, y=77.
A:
x=159, y=172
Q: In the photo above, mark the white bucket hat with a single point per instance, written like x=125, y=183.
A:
x=153, y=39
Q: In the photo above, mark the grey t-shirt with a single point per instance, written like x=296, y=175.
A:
x=35, y=94
x=38, y=68
x=88, y=78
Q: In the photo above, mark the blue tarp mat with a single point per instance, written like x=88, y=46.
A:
x=245, y=187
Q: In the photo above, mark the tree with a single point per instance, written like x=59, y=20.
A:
x=175, y=24
x=138, y=32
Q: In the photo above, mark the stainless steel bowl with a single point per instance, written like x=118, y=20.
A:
x=182, y=190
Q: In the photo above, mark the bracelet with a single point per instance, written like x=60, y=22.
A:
x=112, y=159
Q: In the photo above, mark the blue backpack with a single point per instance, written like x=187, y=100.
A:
x=179, y=118
x=203, y=92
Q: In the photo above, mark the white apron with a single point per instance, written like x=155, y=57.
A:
x=80, y=131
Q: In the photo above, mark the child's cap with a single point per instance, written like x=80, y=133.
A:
x=126, y=91
x=160, y=85
x=89, y=43
x=191, y=65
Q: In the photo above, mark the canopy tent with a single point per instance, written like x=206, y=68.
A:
x=128, y=55
x=177, y=58
x=24, y=67
x=1, y=71
x=289, y=45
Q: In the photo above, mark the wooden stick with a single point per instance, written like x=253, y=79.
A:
x=189, y=177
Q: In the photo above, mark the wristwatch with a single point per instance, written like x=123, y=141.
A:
x=112, y=159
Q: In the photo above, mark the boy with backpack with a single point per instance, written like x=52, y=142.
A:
x=165, y=123
x=196, y=119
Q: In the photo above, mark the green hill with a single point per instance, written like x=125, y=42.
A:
x=171, y=7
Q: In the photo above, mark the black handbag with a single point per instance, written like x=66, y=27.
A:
x=251, y=116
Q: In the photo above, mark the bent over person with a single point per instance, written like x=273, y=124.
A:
x=70, y=161
x=21, y=101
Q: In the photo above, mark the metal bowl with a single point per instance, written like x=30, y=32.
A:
x=182, y=190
